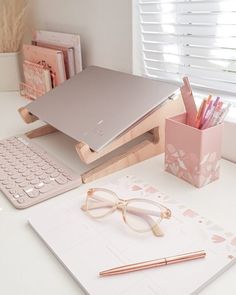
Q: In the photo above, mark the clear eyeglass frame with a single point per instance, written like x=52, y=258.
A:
x=140, y=214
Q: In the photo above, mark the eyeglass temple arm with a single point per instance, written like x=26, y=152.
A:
x=101, y=204
x=162, y=214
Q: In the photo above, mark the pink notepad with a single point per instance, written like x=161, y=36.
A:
x=50, y=58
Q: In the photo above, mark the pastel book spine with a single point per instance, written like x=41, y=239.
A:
x=49, y=58
x=64, y=39
x=68, y=54
x=71, y=61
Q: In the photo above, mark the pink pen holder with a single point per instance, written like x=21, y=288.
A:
x=192, y=154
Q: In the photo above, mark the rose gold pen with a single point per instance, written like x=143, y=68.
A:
x=153, y=263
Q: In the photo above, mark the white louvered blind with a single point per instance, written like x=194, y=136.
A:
x=196, y=38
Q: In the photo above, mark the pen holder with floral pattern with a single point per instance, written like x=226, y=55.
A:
x=190, y=153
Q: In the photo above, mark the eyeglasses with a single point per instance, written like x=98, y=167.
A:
x=141, y=215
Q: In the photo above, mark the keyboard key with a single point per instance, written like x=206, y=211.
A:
x=13, y=191
x=26, y=173
x=19, y=180
x=26, y=163
x=28, y=189
x=33, y=194
x=41, y=164
x=39, y=185
x=33, y=157
x=10, y=185
x=61, y=180
x=30, y=177
x=43, y=176
x=50, y=170
x=30, y=166
x=19, y=167
x=47, y=187
x=68, y=176
x=37, y=160
x=39, y=172
x=16, y=196
x=3, y=177
x=47, y=180
x=20, y=200
x=55, y=174
x=24, y=159
x=23, y=184
x=6, y=181
x=21, y=170
x=34, y=169
x=15, y=176
x=34, y=181
x=45, y=167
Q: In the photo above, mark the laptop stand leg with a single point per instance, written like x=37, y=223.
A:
x=44, y=130
x=27, y=116
x=138, y=153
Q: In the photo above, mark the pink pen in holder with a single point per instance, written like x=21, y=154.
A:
x=192, y=154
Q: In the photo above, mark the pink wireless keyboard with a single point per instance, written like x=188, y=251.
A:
x=29, y=175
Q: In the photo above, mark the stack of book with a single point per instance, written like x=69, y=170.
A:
x=52, y=58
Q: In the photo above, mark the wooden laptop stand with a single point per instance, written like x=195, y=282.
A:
x=152, y=125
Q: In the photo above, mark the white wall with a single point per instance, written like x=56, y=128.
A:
x=105, y=27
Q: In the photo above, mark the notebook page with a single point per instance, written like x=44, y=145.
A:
x=86, y=246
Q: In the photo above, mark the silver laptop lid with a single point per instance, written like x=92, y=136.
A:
x=98, y=104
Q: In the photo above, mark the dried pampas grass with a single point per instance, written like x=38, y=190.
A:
x=12, y=24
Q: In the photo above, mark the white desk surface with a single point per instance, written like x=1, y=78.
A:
x=27, y=267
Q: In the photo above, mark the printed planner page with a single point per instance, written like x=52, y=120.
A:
x=87, y=246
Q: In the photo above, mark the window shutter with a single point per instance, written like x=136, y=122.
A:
x=196, y=38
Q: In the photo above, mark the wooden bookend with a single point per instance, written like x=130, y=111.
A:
x=153, y=123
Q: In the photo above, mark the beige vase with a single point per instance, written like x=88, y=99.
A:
x=10, y=71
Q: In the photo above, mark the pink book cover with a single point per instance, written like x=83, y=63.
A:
x=49, y=58
x=68, y=53
x=64, y=39
x=37, y=77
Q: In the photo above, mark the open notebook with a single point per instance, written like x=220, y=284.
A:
x=86, y=246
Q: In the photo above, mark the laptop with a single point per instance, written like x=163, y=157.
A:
x=99, y=104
